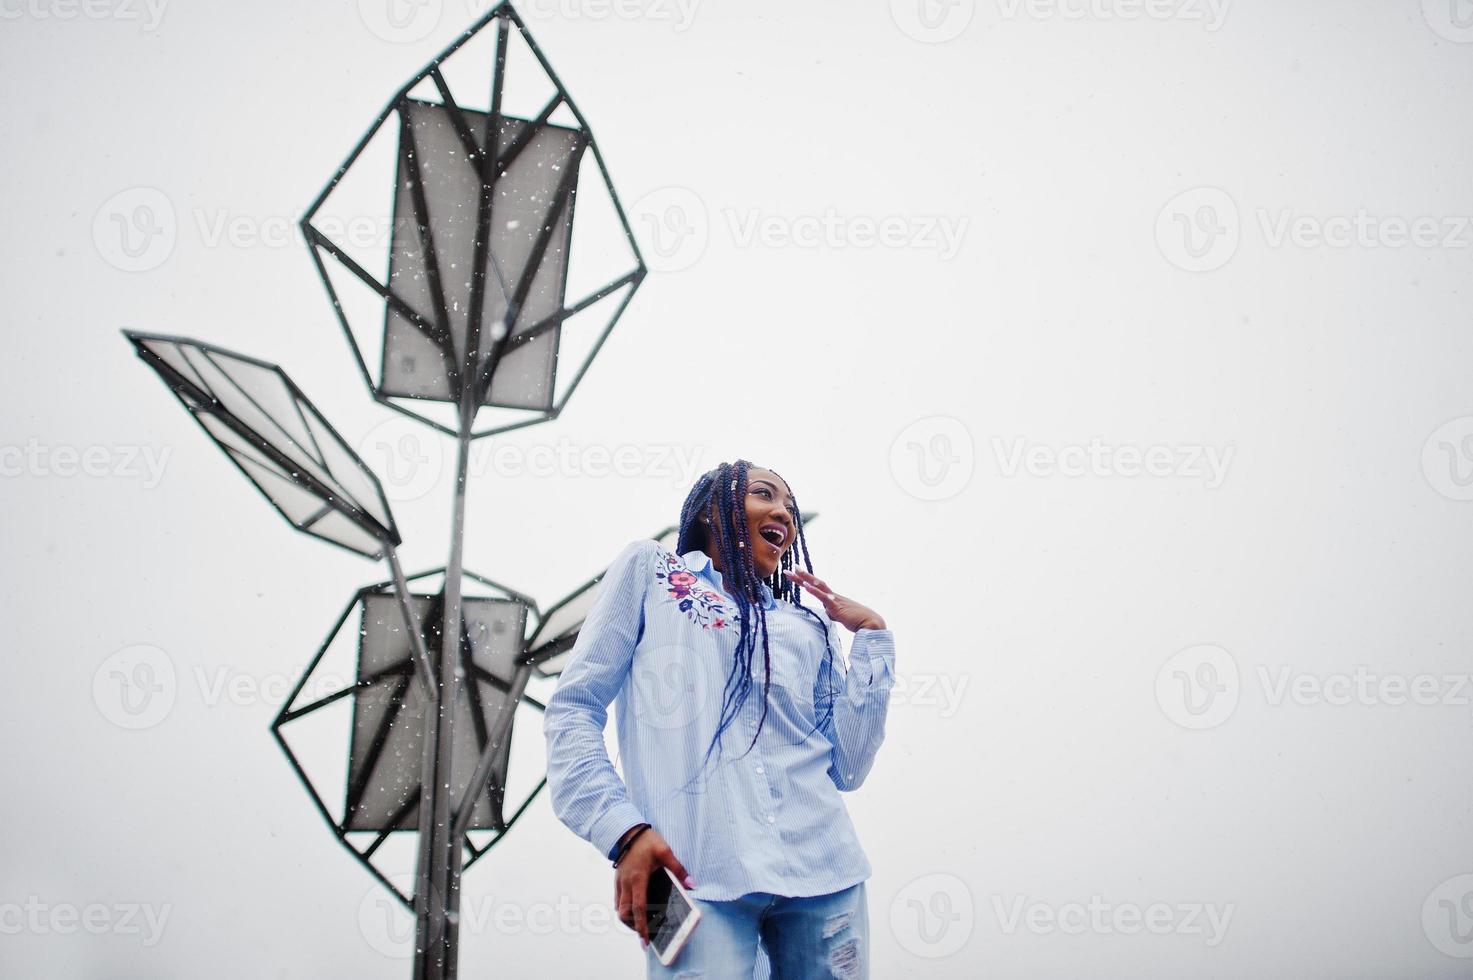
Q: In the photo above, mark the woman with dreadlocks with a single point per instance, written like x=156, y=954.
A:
x=738, y=728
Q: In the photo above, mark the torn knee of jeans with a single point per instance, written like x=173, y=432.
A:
x=835, y=924
x=844, y=958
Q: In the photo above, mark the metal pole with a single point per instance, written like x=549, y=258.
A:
x=423, y=893
x=412, y=624
x=436, y=928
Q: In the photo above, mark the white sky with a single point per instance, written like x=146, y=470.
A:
x=1033, y=763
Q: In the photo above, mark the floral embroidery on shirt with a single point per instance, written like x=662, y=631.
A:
x=704, y=606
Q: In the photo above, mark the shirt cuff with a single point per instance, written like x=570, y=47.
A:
x=872, y=656
x=611, y=826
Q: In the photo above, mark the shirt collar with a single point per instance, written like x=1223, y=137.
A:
x=700, y=563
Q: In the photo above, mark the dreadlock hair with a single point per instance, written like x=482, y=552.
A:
x=721, y=494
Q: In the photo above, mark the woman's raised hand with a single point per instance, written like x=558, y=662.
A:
x=840, y=609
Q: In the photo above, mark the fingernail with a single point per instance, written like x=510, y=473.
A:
x=688, y=882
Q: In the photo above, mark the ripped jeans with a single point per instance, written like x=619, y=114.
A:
x=822, y=936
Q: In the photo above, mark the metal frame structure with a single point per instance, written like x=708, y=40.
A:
x=222, y=410
x=291, y=711
x=507, y=324
x=493, y=164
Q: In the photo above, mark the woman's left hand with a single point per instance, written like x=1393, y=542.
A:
x=840, y=609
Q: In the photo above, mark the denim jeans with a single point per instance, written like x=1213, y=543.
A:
x=803, y=938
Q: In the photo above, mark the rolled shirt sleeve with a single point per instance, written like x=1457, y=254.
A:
x=587, y=794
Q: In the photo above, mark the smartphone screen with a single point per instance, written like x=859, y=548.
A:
x=667, y=911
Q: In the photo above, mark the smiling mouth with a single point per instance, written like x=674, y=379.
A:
x=774, y=534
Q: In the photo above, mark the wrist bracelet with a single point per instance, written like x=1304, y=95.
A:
x=629, y=842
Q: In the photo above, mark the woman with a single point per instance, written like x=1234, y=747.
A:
x=738, y=728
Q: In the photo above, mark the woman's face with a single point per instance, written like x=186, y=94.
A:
x=771, y=519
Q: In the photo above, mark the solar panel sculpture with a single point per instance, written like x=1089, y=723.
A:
x=482, y=299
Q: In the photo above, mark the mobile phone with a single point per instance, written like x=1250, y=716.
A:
x=671, y=916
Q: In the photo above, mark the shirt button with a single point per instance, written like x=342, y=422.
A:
x=771, y=818
x=760, y=770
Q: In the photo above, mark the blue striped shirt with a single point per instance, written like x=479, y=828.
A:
x=658, y=643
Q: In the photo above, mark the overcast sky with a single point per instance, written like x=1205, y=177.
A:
x=1122, y=344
